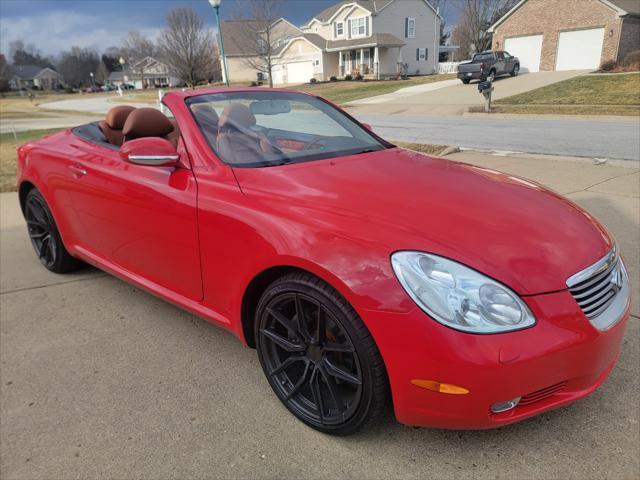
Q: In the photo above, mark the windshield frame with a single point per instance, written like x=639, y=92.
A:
x=286, y=160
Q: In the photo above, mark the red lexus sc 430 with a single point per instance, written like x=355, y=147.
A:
x=362, y=273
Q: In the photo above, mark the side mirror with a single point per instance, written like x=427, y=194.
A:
x=368, y=127
x=150, y=151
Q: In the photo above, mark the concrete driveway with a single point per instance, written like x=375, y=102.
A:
x=455, y=99
x=101, y=380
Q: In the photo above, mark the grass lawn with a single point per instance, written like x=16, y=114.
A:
x=339, y=92
x=15, y=106
x=426, y=148
x=615, y=94
x=8, y=155
x=343, y=92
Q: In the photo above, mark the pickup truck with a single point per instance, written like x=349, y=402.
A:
x=489, y=64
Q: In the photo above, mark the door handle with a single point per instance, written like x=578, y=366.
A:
x=77, y=170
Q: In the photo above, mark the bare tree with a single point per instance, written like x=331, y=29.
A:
x=136, y=47
x=76, y=64
x=187, y=47
x=5, y=74
x=259, y=37
x=28, y=54
x=476, y=16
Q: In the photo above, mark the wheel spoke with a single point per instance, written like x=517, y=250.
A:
x=337, y=347
x=337, y=372
x=38, y=224
x=301, y=318
x=333, y=389
x=300, y=382
x=279, y=340
x=316, y=391
x=289, y=361
x=44, y=247
x=38, y=213
x=320, y=335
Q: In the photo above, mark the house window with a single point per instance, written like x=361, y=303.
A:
x=359, y=27
x=409, y=27
x=339, y=29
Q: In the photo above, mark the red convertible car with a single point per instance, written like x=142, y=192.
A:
x=361, y=272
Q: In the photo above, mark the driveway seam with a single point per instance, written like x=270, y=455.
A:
x=25, y=289
x=604, y=181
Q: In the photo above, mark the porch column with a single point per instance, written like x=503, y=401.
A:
x=362, y=61
x=340, y=64
x=399, y=60
x=376, y=66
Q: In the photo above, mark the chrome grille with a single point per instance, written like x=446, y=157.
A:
x=598, y=286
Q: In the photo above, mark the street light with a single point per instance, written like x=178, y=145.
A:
x=93, y=83
x=216, y=6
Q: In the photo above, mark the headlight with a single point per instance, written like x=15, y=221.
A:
x=458, y=296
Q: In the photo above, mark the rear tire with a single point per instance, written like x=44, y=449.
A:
x=466, y=81
x=492, y=76
x=318, y=355
x=45, y=237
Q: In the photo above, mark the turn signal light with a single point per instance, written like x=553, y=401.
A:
x=440, y=387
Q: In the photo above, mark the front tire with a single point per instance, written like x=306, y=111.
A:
x=515, y=71
x=318, y=355
x=45, y=237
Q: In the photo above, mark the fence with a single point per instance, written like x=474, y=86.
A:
x=448, y=67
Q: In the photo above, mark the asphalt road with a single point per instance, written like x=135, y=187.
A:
x=602, y=138
x=99, y=379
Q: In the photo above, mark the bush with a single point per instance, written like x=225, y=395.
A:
x=313, y=80
x=333, y=79
x=69, y=90
x=359, y=77
x=608, y=66
x=348, y=77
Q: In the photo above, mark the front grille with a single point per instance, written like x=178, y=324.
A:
x=596, y=287
x=542, y=394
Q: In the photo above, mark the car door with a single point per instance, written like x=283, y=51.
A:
x=500, y=65
x=139, y=218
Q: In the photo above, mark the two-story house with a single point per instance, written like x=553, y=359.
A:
x=373, y=38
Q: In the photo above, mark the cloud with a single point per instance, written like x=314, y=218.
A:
x=56, y=31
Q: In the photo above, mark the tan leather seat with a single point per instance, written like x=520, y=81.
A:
x=237, y=143
x=147, y=122
x=208, y=120
x=113, y=123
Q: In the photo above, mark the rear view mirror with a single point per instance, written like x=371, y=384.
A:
x=150, y=151
x=270, y=107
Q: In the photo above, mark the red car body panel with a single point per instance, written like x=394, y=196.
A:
x=197, y=236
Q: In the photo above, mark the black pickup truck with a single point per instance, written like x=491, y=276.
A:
x=489, y=64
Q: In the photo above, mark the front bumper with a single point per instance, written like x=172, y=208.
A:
x=557, y=361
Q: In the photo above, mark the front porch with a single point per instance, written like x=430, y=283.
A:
x=373, y=57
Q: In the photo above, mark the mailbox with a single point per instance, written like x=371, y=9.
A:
x=485, y=86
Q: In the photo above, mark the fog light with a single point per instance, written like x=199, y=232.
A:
x=504, y=406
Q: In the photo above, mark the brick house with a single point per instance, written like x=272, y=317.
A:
x=568, y=34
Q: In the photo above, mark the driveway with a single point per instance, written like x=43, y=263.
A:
x=101, y=380
x=454, y=99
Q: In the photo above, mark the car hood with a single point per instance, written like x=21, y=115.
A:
x=506, y=227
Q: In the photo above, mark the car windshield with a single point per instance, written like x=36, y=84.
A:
x=262, y=128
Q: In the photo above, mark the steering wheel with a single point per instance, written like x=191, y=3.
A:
x=314, y=141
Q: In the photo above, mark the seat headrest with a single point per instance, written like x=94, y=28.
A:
x=146, y=122
x=205, y=113
x=117, y=116
x=237, y=115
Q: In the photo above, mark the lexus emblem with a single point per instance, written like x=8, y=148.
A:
x=616, y=280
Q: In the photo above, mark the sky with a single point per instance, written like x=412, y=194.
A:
x=56, y=25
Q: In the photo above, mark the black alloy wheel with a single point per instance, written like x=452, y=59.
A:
x=44, y=235
x=318, y=356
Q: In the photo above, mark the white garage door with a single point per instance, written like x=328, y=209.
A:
x=277, y=72
x=580, y=49
x=527, y=49
x=299, y=72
